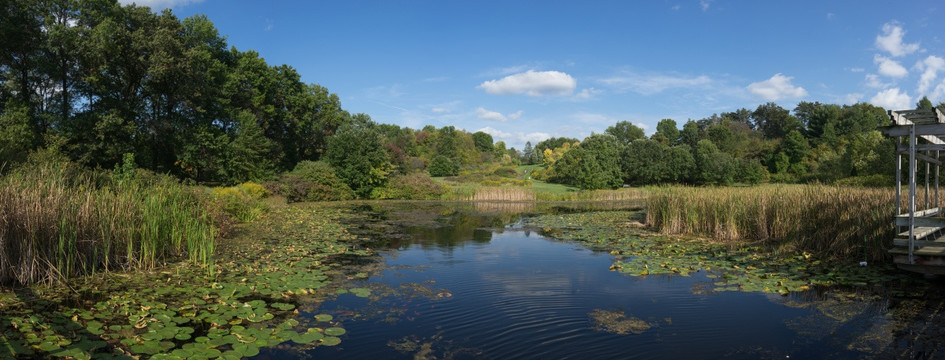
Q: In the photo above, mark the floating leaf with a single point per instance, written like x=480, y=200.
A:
x=334, y=331
x=330, y=341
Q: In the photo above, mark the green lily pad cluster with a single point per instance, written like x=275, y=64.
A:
x=747, y=267
x=246, y=301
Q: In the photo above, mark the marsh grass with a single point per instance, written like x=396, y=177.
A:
x=831, y=221
x=58, y=221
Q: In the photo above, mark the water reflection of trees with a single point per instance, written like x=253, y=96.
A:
x=900, y=319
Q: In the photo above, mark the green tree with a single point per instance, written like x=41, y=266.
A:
x=714, y=167
x=625, y=132
x=248, y=155
x=358, y=156
x=774, y=121
x=443, y=166
x=667, y=127
x=924, y=104
x=795, y=146
x=528, y=154
x=593, y=164
x=690, y=134
x=482, y=141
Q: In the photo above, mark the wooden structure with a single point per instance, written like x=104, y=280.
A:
x=920, y=243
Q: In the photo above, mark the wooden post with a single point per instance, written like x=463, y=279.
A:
x=898, y=178
x=928, y=169
x=912, y=174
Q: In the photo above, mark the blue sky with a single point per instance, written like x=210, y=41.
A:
x=528, y=70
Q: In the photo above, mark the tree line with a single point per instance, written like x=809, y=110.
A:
x=815, y=142
x=97, y=82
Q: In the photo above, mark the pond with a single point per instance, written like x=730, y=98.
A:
x=480, y=284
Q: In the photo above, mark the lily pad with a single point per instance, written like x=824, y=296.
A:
x=323, y=317
x=334, y=331
x=361, y=292
x=330, y=341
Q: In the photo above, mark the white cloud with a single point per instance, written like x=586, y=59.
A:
x=856, y=69
x=930, y=68
x=872, y=80
x=939, y=93
x=532, y=83
x=676, y=7
x=776, y=88
x=534, y=138
x=444, y=108
x=586, y=94
x=892, y=99
x=891, y=40
x=159, y=4
x=890, y=67
x=704, y=4
x=496, y=133
x=515, y=139
x=652, y=84
x=852, y=98
x=484, y=114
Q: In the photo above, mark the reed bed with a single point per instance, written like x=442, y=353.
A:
x=59, y=221
x=502, y=194
x=833, y=221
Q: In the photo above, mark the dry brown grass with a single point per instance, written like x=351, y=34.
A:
x=843, y=222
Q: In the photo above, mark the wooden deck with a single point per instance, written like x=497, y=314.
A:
x=920, y=243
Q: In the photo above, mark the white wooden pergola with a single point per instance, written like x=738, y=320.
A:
x=919, y=245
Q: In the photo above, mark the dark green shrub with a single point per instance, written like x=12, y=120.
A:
x=443, y=166
x=506, y=172
x=311, y=181
x=415, y=186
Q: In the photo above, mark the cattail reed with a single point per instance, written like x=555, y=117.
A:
x=835, y=221
x=58, y=221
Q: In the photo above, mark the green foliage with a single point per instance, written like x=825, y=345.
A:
x=242, y=202
x=625, y=132
x=358, y=156
x=588, y=169
x=713, y=167
x=667, y=128
x=312, y=181
x=506, y=172
x=443, y=166
x=415, y=186
x=483, y=141
x=649, y=162
x=16, y=137
x=774, y=121
x=554, y=143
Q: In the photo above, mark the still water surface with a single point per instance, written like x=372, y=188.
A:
x=456, y=291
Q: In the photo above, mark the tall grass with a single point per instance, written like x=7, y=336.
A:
x=834, y=221
x=58, y=221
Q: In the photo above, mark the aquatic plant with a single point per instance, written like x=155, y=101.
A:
x=58, y=221
x=243, y=202
x=831, y=221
